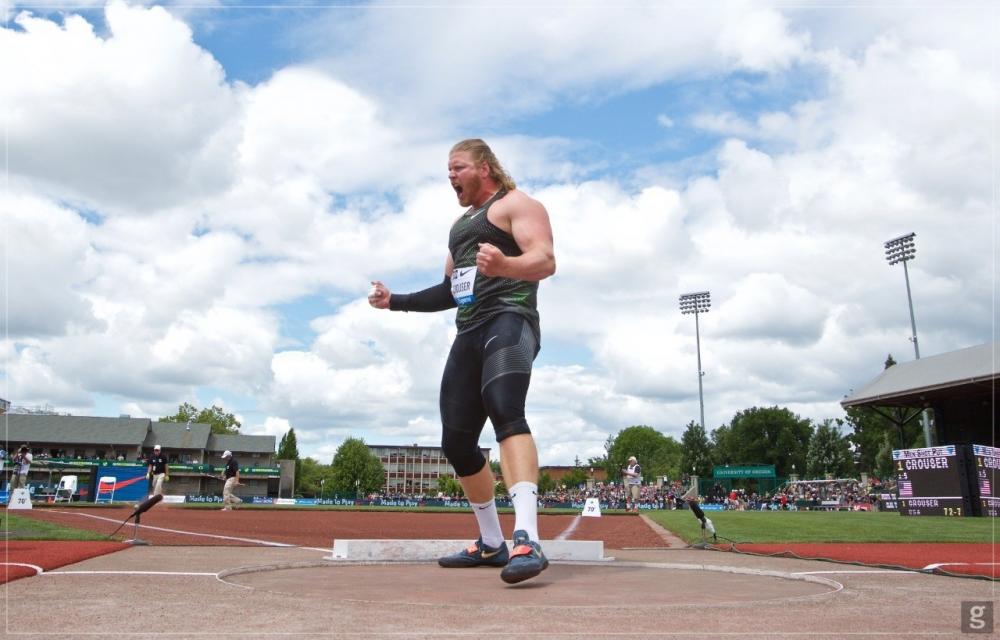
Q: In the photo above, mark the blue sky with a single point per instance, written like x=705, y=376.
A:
x=199, y=193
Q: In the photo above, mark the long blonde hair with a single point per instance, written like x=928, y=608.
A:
x=481, y=152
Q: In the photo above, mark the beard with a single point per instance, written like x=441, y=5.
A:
x=469, y=190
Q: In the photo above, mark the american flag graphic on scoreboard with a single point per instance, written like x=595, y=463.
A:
x=984, y=487
x=905, y=489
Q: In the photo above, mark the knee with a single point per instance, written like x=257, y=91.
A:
x=462, y=453
x=512, y=427
x=506, y=411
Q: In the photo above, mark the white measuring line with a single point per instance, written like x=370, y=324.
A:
x=569, y=530
x=266, y=543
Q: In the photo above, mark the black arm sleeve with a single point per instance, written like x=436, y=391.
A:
x=436, y=298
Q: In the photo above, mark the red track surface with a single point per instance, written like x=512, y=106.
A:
x=316, y=528
x=967, y=559
x=48, y=555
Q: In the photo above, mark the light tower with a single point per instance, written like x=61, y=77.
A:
x=902, y=249
x=696, y=303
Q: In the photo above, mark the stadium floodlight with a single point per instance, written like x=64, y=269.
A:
x=903, y=249
x=696, y=303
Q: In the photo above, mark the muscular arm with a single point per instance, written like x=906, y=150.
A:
x=529, y=224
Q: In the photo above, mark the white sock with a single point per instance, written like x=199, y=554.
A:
x=524, y=497
x=489, y=522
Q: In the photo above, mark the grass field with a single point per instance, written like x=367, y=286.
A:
x=829, y=526
x=13, y=527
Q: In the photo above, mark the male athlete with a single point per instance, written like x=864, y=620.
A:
x=498, y=251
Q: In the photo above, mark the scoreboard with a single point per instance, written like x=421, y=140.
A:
x=932, y=481
x=985, y=462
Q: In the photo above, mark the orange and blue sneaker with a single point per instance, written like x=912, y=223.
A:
x=526, y=560
x=478, y=554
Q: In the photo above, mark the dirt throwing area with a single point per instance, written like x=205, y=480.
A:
x=209, y=585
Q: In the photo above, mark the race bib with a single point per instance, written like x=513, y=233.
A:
x=463, y=282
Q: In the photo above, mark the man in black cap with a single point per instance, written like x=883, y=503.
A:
x=232, y=477
x=157, y=472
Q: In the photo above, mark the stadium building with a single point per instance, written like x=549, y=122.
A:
x=414, y=469
x=92, y=447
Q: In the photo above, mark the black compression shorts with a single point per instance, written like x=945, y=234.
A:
x=487, y=375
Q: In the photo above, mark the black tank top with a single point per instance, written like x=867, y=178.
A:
x=481, y=298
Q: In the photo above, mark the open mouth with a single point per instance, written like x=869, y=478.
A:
x=458, y=189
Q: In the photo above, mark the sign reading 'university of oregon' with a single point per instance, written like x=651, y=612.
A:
x=744, y=471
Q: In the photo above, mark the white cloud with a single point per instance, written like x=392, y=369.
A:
x=418, y=60
x=47, y=259
x=136, y=121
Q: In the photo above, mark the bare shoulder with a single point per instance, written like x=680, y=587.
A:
x=518, y=202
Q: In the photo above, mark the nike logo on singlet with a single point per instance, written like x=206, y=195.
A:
x=489, y=341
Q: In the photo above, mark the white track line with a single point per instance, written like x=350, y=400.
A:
x=38, y=570
x=569, y=530
x=888, y=571
x=932, y=567
x=266, y=543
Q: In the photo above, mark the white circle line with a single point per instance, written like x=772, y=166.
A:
x=38, y=570
x=132, y=573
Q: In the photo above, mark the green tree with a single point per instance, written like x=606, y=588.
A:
x=658, y=455
x=764, y=435
x=872, y=428
x=288, y=446
x=545, y=483
x=883, y=467
x=575, y=477
x=829, y=452
x=312, y=476
x=356, y=469
x=596, y=463
x=696, y=451
x=216, y=417
x=450, y=486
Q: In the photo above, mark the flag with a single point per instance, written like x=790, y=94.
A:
x=984, y=487
x=905, y=489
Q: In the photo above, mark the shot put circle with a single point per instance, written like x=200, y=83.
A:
x=565, y=584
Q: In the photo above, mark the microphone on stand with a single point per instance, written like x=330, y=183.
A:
x=140, y=509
